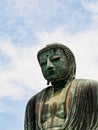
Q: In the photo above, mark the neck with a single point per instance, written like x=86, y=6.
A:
x=58, y=85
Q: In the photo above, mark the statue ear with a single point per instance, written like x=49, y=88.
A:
x=48, y=82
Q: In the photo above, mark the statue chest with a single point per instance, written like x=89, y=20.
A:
x=54, y=110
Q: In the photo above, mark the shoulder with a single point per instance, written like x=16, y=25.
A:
x=84, y=85
x=85, y=82
x=78, y=85
x=37, y=97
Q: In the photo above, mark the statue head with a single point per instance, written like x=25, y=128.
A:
x=57, y=62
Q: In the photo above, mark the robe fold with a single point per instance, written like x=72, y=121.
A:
x=82, y=111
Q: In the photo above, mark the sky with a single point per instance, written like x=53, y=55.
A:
x=26, y=26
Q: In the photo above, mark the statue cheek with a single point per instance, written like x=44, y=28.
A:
x=43, y=69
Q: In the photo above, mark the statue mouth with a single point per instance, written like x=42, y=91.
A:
x=50, y=72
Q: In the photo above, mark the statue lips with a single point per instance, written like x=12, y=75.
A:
x=50, y=71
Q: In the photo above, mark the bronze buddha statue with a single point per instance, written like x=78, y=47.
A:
x=69, y=103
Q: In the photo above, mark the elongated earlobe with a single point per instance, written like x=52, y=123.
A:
x=48, y=82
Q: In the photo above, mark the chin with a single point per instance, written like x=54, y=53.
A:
x=54, y=79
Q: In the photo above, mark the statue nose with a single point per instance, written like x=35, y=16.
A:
x=49, y=65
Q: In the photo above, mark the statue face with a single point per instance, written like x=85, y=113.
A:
x=53, y=64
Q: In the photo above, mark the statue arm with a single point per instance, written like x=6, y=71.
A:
x=83, y=112
x=31, y=113
x=29, y=123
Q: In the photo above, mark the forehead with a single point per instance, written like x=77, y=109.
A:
x=51, y=52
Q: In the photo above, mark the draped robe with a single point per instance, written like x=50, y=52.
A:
x=81, y=107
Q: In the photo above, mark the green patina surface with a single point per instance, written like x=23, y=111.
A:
x=69, y=103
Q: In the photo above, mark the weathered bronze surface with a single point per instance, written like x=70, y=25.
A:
x=69, y=103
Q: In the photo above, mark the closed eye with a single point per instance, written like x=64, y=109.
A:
x=43, y=63
x=55, y=59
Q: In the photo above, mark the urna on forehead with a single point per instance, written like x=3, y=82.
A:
x=55, y=47
x=51, y=52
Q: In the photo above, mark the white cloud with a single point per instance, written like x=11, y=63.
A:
x=24, y=7
x=2, y=107
x=91, y=6
x=19, y=8
x=6, y=108
x=22, y=74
